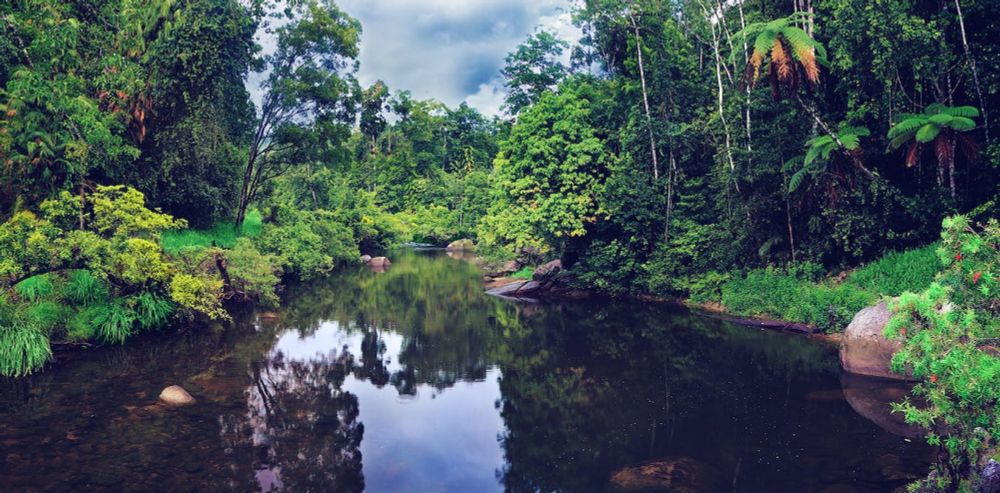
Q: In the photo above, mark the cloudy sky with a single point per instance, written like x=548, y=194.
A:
x=448, y=50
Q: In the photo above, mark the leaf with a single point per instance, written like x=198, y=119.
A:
x=796, y=180
x=941, y=119
x=928, y=133
x=961, y=124
x=965, y=111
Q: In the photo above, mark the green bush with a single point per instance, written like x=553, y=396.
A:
x=525, y=273
x=114, y=322
x=84, y=289
x=898, y=272
x=34, y=288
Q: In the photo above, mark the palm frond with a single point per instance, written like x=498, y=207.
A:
x=961, y=124
x=964, y=111
x=927, y=133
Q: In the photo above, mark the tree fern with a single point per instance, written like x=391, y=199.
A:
x=790, y=54
x=941, y=125
x=819, y=150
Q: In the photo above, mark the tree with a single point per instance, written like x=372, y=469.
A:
x=943, y=126
x=532, y=69
x=549, y=173
x=310, y=94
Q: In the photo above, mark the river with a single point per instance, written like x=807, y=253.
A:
x=414, y=380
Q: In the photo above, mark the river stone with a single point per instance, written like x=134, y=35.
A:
x=508, y=290
x=510, y=267
x=366, y=258
x=547, y=270
x=864, y=349
x=379, y=262
x=175, y=396
x=680, y=475
x=463, y=245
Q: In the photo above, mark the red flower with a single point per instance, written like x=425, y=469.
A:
x=933, y=378
x=902, y=331
x=976, y=276
x=958, y=256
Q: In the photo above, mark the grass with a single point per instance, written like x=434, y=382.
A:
x=526, y=273
x=898, y=272
x=222, y=234
x=775, y=293
x=793, y=295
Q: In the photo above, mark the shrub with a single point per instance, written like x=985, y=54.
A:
x=150, y=310
x=525, y=273
x=252, y=273
x=950, y=333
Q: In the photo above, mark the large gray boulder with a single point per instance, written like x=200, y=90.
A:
x=864, y=349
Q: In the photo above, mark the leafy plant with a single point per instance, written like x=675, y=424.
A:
x=34, y=288
x=150, y=310
x=115, y=322
x=790, y=55
x=24, y=348
x=940, y=125
x=85, y=289
x=819, y=149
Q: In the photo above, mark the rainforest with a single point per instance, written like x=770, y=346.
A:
x=602, y=231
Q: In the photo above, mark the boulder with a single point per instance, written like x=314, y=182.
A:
x=681, y=474
x=864, y=349
x=547, y=270
x=463, y=245
x=989, y=477
x=175, y=396
x=509, y=267
x=379, y=263
x=366, y=258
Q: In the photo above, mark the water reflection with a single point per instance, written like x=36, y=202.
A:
x=413, y=380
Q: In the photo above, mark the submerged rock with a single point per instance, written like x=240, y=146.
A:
x=463, y=245
x=864, y=349
x=175, y=396
x=681, y=475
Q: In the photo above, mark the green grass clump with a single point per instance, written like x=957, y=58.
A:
x=525, y=273
x=775, y=293
x=222, y=234
x=34, y=288
x=85, y=289
x=24, y=347
x=151, y=311
x=898, y=272
x=114, y=323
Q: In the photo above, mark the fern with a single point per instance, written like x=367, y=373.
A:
x=34, y=288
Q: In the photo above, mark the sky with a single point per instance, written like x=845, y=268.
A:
x=448, y=50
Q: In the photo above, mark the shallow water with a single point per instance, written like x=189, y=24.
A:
x=414, y=380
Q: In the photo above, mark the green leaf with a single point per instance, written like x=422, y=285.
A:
x=928, y=133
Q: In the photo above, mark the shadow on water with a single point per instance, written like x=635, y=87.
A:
x=413, y=380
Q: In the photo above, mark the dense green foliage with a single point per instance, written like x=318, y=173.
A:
x=949, y=333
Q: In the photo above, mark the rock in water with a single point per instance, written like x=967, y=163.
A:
x=547, y=270
x=463, y=245
x=864, y=349
x=175, y=396
x=682, y=475
x=366, y=258
x=379, y=263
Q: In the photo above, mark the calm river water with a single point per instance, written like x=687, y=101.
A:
x=413, y=380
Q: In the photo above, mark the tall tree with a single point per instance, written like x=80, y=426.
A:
x=533, y=68
x=310, y=94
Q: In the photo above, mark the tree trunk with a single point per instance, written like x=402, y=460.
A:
x=645, y=95
x=975, y=72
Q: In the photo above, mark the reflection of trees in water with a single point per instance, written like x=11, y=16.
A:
x=304, y=426
x=614, y=387
x=450, y=329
